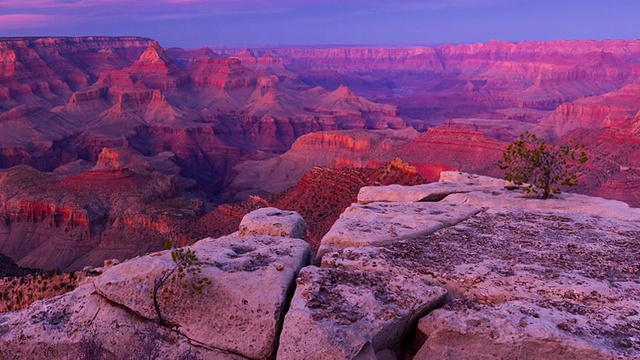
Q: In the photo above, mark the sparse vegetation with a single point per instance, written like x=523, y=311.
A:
x=186, y=267
x=543, y=168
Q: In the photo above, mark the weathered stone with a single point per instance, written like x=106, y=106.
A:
x=352, y=314
x=401, y=193
x=273, y=222
x=461, y=178
x=501, y=199
x=377, y=224
x=239, y=312
x=84, y=325
x=509, y=331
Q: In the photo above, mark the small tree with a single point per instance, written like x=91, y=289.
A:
x=544, y=167
x=186, y=267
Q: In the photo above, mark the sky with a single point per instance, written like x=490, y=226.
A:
x=196, y=23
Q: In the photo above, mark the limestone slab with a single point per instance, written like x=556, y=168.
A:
x=352, y=314
x=508, y=331
x=84, y=325
x=240, y=311
x=472, y=179
x=380, y=223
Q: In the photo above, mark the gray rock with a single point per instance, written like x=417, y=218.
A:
x=459, y=177
x=378, y=224
x=84, y=325
x=401, y=193
x=240, y=312
x=273, y=222
x=352, y=314
x=509, y=331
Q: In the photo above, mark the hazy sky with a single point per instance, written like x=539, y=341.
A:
x=194, y=23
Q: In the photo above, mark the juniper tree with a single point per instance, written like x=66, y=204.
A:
x=544, y=168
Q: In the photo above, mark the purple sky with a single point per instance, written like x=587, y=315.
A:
x=194, y=23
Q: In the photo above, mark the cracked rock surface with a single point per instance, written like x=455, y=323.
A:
x=340, y=313
x=84, y=325
x=526, y=279
x=250, y=278
x=382, y=223
x=237, y=316
x=481, y=273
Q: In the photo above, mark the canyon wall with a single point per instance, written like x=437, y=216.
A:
x=206, y=126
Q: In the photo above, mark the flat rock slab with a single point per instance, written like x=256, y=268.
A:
x=431, y=192
x=508, y=331
x=501, y=199
x=377, y=224
x=240, y=311
x=352, y=314
x=84, y=325
x=273, y=222
x=472, y=179
x=582, y=270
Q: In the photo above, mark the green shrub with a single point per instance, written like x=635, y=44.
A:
x=543, y=168
x=186, y=269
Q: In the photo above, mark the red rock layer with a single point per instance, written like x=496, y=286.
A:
x=320, y=197
x=112, y=211
x=450, y=149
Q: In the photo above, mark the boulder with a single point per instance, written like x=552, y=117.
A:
x=352, y=314
x=273, y=222
x=382, y=223
x=239, y=312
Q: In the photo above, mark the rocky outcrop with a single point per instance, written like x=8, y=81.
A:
x=380, y=223
x=79, y=325
x=339, y=312
x=248, y=278
x=514, y=277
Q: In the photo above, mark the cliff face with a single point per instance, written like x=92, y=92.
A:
x=222, y=125
x=450, y=81
x=67, y=222
x=64, y=99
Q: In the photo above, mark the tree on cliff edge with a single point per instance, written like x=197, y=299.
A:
x=544, y=168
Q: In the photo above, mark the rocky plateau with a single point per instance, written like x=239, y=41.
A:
x=463, y=268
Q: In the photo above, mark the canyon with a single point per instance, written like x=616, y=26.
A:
x=111, y=145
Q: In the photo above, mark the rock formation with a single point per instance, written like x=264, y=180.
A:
x=189, y=130
x=512, y=276
x=118, y=209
